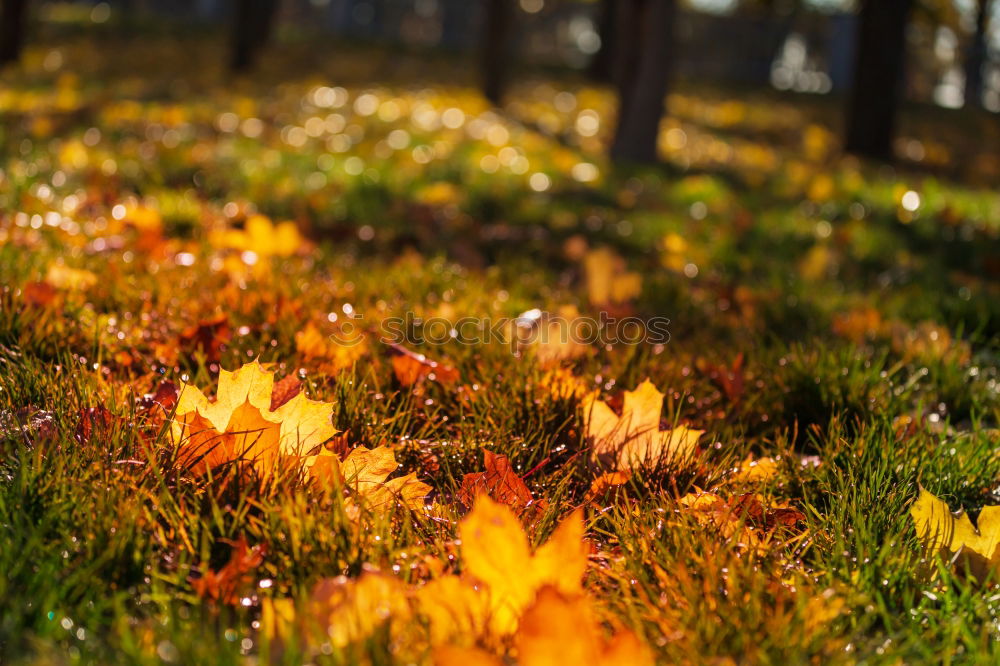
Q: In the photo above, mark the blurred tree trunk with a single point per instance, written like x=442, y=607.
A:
x=601, y=68
x=253, y=23
x=12, y=21
x=497, y=23
x=879, y=61
x=645, y=36
x=976, y=57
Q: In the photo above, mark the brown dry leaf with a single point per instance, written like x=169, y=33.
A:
x=412, y=368
x=226, y=584
x=927, y=341
x=95, y=422
x=501, y=483
x=240, y=425
x=730, y=379
x=634, y=439
x=156, y=406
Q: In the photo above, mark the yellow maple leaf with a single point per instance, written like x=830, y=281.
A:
x=262, y=237
x=239, y=423
x=339, y=611
x=558, y=630
x=496, y=554
x=608, y=281
x=364, y=473
x=332, y=356
x=634, y=438
x=752, y=471
x=551, y=338
x=454, y=607
x=940, y=531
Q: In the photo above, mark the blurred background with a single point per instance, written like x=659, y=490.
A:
x=860, y=61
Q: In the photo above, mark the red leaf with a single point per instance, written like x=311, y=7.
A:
x=501, y=483
x=412, y=368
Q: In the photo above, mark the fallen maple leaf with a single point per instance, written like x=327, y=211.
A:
x=262, y=237
x=158, y=405
x=363, y=473
x=549, y=337
x=634, y=439
x=561, y=384
x=412, y=368
x=496, y=553
x=501, y=483
x=561, y=630
x=330, y=355
x=339, y=611
x=605, y=484
x=730, y=379
x=556, y=630
x=95, y=421
x=240, y=425
x=745, y=517
x=750, y=470
x=608, y=281
x=941, y=531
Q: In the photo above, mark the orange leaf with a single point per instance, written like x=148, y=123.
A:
x=500, y=482
x=411, y=368
x=558, y=629
x=225, y=584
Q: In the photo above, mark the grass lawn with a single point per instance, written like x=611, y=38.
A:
x=824, y=334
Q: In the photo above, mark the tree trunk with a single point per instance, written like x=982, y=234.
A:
x=878, y=77
x=12, y=20
x=976, y=57
x=253, y=22
x=602, y=65
x=497, y=23
x=645, y=37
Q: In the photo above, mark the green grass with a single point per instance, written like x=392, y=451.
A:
x=101, y=535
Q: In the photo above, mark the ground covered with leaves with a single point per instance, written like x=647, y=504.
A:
x=283, y=375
